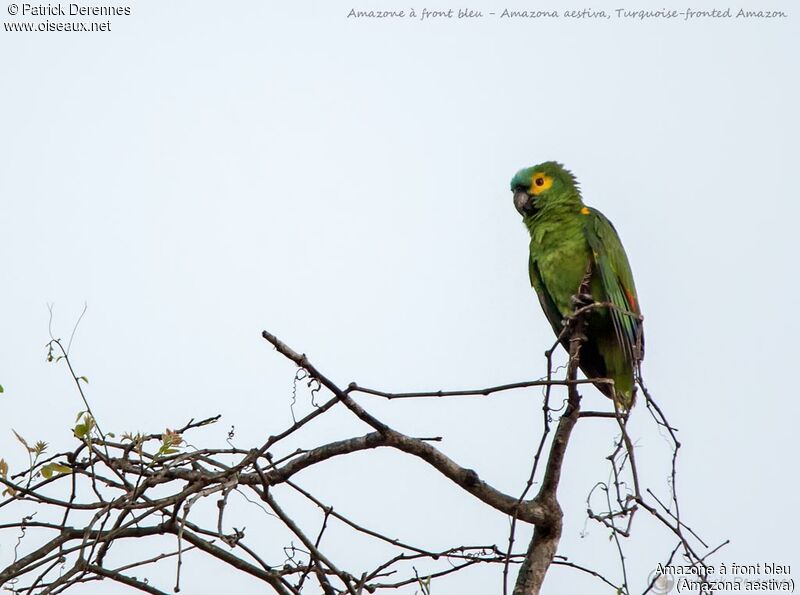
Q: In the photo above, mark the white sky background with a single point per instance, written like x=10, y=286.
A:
x=208, y=170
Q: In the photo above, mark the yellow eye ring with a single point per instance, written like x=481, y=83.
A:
x=540, y=182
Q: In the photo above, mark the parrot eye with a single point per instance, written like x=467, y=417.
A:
x=540, y=182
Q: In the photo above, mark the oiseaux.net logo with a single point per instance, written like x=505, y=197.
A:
x=661, y=583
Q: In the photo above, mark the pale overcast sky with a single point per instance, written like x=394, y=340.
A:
x=206, y=170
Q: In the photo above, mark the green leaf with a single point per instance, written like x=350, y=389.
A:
x=51, y=468
x=84, y=378
x=2, y=390
x=83, y=429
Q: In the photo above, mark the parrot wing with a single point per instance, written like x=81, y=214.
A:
x=545, y=299
x=615, y=275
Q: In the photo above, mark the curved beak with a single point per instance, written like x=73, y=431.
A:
x=524, y=203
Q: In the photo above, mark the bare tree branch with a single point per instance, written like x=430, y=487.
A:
x=106, y=490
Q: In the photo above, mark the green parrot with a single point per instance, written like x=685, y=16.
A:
x=576, y=258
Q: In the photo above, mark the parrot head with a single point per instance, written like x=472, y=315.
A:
x=537, y=186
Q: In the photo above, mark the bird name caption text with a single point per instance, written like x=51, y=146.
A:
x=627, y=14
x=769, y=577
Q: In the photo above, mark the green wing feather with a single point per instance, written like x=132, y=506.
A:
x=549, y=306
x=617, y=280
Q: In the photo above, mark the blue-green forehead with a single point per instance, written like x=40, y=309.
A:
x=522, y=178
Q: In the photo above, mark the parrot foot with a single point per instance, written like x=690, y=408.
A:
x=581, y=300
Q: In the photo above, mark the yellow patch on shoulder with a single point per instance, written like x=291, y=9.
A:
x=540, y=182
x=585, y=211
